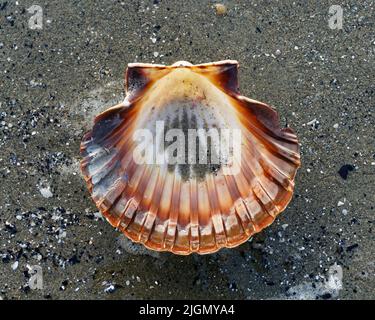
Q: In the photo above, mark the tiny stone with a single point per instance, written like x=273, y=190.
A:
x=311, y=122
x=15, y=265
x=46, y=192
x=220, y=9
x=110, y=289
x=98, y=215
x=344, y=170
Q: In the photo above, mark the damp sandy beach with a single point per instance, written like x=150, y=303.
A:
x=55, y=79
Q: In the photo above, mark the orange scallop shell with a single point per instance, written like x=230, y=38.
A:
x=165, y=209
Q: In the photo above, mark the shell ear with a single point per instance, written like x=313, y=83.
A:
x=223, y=74
x=140, y=76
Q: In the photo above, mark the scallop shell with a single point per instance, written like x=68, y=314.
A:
x=189, y=208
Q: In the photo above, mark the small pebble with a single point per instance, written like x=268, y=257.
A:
x=110, y=289
x=15, y=265
x=46, y=192
x=220, y=9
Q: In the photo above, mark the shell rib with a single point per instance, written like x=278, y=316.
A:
x=191, y=207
